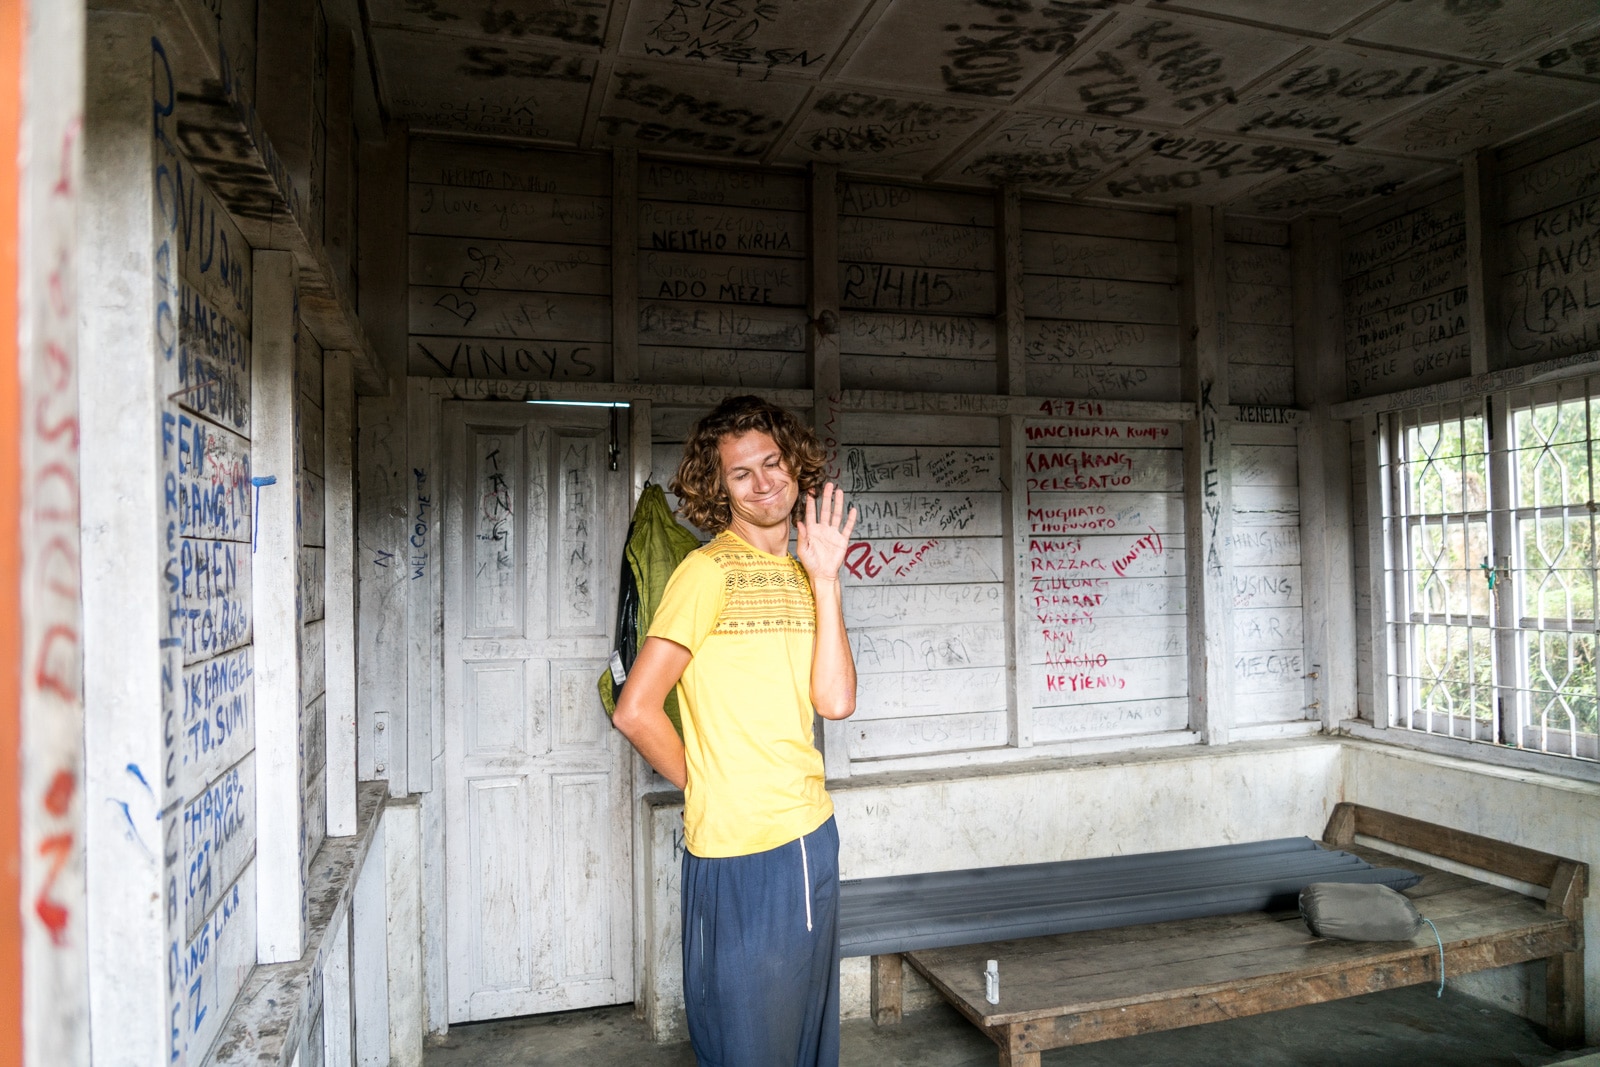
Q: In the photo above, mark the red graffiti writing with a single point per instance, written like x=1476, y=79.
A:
x=896, y=561
x=1150, y=543
x=58, y=798
x=55, y=668
x=52, y=568
x=69, y=139
x=58, y=849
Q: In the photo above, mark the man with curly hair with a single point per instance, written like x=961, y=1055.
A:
x=754, y=639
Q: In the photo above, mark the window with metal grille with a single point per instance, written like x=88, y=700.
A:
x=1491, y=568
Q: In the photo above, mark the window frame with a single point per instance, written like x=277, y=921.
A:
x=1512, y=719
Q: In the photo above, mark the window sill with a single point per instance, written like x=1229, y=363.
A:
x=1475, y=751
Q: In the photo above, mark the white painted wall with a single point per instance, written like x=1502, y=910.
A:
x=123, y=561
x=164, y=906
x=1143, y=802
x=280, y=845
x=369, y=964
x=402, y=863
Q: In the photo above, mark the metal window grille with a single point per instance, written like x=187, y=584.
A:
x=1490, y=516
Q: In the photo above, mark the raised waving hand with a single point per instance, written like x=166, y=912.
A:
x=823, y=533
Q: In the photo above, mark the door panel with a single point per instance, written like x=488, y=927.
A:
x=501, y=949
x=496, y=709
x=579, y=728
x=579, y=609
x=504, y=510
x=538, y=820
x=579, y=802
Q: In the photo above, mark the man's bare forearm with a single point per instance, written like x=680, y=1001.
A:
x=641, y=710
x=833, y=668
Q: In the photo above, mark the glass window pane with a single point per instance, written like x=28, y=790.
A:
x=1446, y=466
x=1561, y=681
x=1547, y=582
x=1454, y=670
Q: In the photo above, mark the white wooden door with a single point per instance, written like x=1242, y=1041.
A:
x=538, y=821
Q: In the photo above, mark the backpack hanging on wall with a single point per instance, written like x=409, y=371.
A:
x=656, y=544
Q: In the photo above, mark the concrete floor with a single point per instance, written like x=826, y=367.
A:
x=1406, y=1028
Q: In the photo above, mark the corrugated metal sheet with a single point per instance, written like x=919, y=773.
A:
x=940, y=909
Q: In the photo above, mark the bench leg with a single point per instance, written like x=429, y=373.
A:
x=1563, y=985
x=1563, y=974
x=1018, y=1059
x=888, y=989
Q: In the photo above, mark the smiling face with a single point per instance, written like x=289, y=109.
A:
x=761, y=491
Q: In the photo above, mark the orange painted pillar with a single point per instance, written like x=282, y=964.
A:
x=12, y=29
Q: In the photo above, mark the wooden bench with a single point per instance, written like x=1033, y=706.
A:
x=1071, y=989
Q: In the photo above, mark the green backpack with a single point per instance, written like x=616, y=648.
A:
x=656, y=544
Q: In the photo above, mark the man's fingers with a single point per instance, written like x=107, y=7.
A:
x=835, y=506
x=827, y=508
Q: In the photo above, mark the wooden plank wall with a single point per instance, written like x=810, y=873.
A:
x=1405, y=294
x=386, y=510
x=1101, y=302
x=1259, y=324
x=197, y=803
x=1361, y=560
x=924, y=578
x=1096, y=600
x=916, y=288
x=1548, y=281
x=722, y=276
x=1269, y=683
x=313, y=577
x=669, y=429
x=1106, y=580
x=510, y=263
x=210, y=768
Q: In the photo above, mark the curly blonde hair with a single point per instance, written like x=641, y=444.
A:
x=698, y=484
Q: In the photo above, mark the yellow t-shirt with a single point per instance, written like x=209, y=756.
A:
x=750, y=621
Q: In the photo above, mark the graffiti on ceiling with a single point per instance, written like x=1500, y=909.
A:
x=1270, y=107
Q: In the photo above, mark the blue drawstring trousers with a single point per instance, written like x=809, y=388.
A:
x=761, y=954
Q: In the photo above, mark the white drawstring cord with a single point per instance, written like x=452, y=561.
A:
x=1439, y=939
x=805, y=873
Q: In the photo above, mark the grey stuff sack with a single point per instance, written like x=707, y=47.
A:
x=1353, y=911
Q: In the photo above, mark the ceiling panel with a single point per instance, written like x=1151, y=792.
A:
x=1333, y=186
x=579, y=23
x=866, y=131
x=1049, y=152
x=745, y=35
x=1164, y=69
x=1494, y=108
x=1490, y=31
x=1334, y=96
x=1576, y=57
x=987, y=49
x=1202, y=168
x=695, y=112
x=1314, y=16
x=436, y=82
